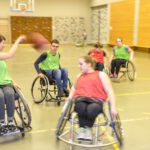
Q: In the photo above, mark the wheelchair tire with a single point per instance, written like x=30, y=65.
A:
x=116, y=125
x=39, y=89
x=69, y=84
x=130, y=70
x=23, y=112
x=65, y=116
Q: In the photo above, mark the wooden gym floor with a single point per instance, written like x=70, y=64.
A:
x=132, y=99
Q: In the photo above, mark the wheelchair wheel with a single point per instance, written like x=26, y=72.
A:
x=130, y=70
x=69, y=84
x=39, y=89
x=65, y=116
x=106, y=70
x=22, y=110
x=116, y=126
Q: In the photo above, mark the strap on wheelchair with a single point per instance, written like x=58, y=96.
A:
x=88, y=100
x=10, y=85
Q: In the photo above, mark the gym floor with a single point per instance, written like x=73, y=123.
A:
x=132, y=102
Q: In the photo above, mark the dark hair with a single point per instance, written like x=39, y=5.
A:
x=55, y=41
x=98, y=45
x=89, y=60
x=2, y=38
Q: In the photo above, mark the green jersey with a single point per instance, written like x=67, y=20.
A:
x=121, y=52
x=4, y=76
x=51, y=62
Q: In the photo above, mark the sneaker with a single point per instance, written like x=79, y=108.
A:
x=3, y=129
x=66, y=91
x=81, y=134
x=88, y=134
x=61, y=93
x=11, y=127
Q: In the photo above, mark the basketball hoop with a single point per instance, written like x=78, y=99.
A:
x=22, y=5
x=23, y=9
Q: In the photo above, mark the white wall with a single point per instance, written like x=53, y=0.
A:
x=54, y=8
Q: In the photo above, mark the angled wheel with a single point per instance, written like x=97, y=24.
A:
x=39, y=89
x=130, y=70
x=116, y=126
x=106, y=70
x=69, y=84
x=65, y=116
x=22, y=110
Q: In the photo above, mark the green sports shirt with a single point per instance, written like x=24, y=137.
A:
x=51, y=62
x=121, y=52
x=4, y=76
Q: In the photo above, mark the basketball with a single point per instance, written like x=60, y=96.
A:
x=37, y=40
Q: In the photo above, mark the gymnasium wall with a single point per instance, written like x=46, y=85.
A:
x=102, y=2
x=144, y=24
x=122, y=21
x=65, y=14
x=115, y=22
x=129, y=19
x=99, y=24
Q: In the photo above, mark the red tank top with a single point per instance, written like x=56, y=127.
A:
x=97, y=55
x=90, y=85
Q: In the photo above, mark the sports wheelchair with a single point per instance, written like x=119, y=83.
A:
x=127, y=69
x=22, y=116
x=46, y=89
x=107, y=131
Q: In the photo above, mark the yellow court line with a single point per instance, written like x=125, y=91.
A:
x=143, y=79
x=120, y=109
x=146, y=113
x=129, y=94
x=133, y=119
x=125, y=120
x=38, y=131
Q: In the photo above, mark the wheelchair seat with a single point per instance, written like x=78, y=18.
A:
x=106, y=130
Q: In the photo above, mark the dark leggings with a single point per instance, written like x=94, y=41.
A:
x=87, y=111
x=7, y=97
x=99, y=66
x=116, y=64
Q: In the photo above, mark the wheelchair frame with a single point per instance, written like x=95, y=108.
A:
x=48, y=90
x=22, y=116
x=100, y=128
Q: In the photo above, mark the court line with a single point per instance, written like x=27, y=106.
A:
x=124, y=120
x=146, y=113
x=135, y=119
x=129, y=94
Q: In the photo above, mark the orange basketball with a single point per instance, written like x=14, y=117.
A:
x=37, y=39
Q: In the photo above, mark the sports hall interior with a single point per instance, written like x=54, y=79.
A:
x=66, y=20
